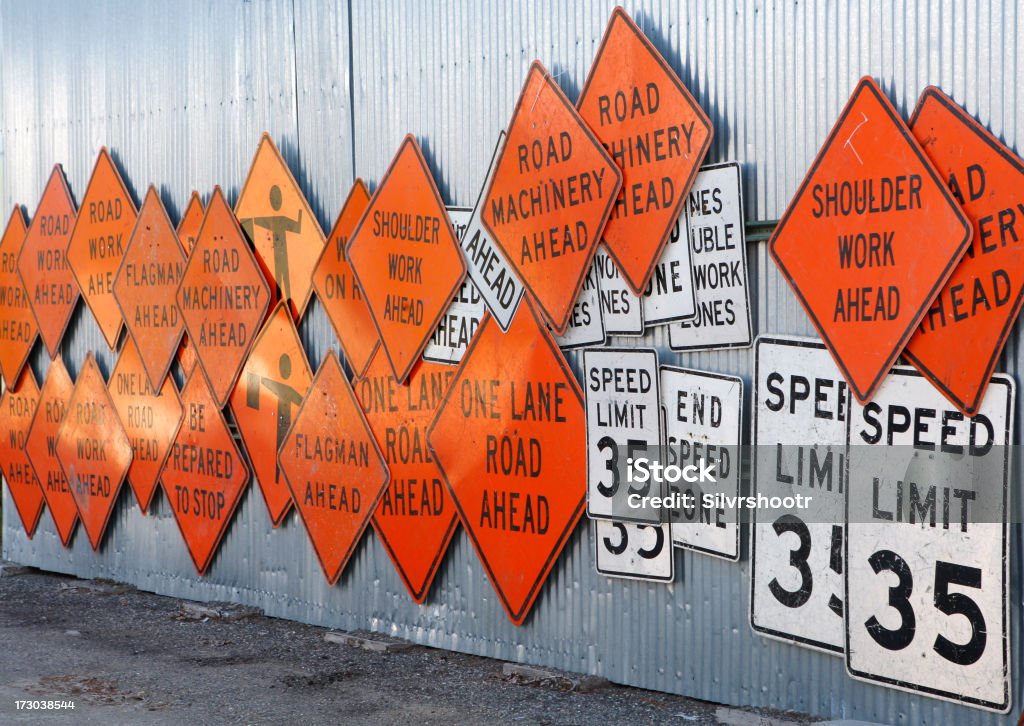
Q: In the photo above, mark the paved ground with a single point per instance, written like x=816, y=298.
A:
x=126, y=657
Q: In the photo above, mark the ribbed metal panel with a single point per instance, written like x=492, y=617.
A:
x=180, y=93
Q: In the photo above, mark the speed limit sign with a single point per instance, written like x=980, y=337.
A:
x=800, y=407
x=635, y=551
x=926, y=542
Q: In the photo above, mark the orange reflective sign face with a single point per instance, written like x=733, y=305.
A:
x=43, y=265
x=511, y=439
x=204, y=475
x=273, y=383
x=338, y=290
x=188, y=232
x=415, y=518
x=333, y=467
x=223, y=298
x=191, y=222
x=41, y=448
x=554, y=187
x=406, y=258
x=93, y=450
x=98, y=242
x=655, y=131
x=150, y=417
x=18, y=406
x=146, y=286
x=869, y=239
x=963, y=333
x=274, y=213
x=18, y=329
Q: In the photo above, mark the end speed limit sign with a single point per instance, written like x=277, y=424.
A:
x=926, y=542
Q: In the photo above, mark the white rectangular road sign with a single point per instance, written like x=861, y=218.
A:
x=623, y=423
x=486, y=265
x=703, y=414
x=715, y=228
x=621, y=310
x=669, y=295
x=635, y=551
x=927, y=546
x=800, y=406
x=586, y=324
x=460, y=321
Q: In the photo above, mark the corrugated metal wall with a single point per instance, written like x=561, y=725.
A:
x=180, y=93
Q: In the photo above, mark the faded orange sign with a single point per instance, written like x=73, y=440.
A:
x=18, y=406
x=333, y=467
x=150, y=417
x=961, y=337
x=338, y=290
x=510, y=438
x=146, y=286
x=869, y=239
x=554, y=187
x=41, y=449
x=93, y=450
x=43, y=265
x=223, y=297
x=269, y=391
x=655, y=131
x=98, y=242
x=416, y=517
x=18, y=329
x=406, y=258
x=275, y=214
x=204, y=475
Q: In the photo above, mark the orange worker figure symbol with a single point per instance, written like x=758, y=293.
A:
x=279, y=225
x=287, y=397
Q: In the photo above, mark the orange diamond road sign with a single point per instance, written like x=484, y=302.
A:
x=273, y=383
x=553, y=189
x=98, y=241
x=963, y=333
x=43, y=265
x=188, y=231
x=191, y=222
x=655, y=131
x=150, y=418
x=511, y=439
x=93, y=450
x=274, y=213
x=18, y=406
x=146, y=286
x=869, y=239
x=406, y=258
x=41, y=449
x=333, y=467
x=18, y=329
x=204, y=475
x=415, y=518
x=223, y=297
x=338, y=291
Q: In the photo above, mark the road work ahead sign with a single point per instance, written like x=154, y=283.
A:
x=869, y=239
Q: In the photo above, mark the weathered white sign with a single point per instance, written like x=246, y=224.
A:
x=487, y=267
x=714, y=221
x=702, y=425
x=635, y=551
x=460, y=321
x=801, y=403
x=623, y=424
x=669, y=296
x=622, y=311
x=927, y=546
x=586, y=325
